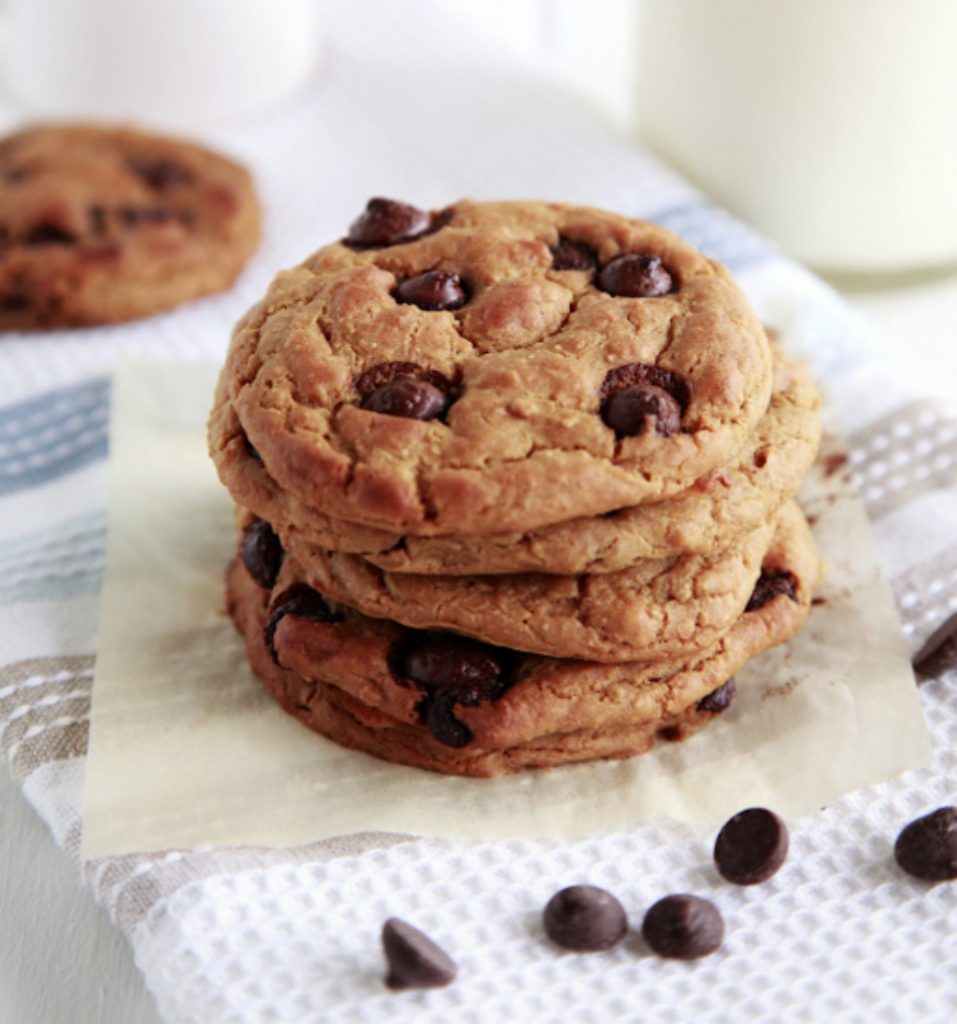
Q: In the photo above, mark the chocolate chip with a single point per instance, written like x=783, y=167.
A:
x=683, y=927
x=634, y=374
x=584, y=918
x=262, y=553
x=413, y=959
x=298, y=599
x=434, y=290
x=635, y=275
x=718, y=700
x=751, y=846
x=630, y=411
x=771, y=585
x=568, y=255
x=14, y=302
x=48, y=234
x=413, y=399
x=939, y=653
x=134, y=216
x=160, y=174
x=437, y=711
x=405, y=389
x=97, y=218
x=386, y=222
x=452, y=670
x=927, y=847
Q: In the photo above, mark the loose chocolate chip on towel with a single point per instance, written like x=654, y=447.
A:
x=635, y=275
x=385, y=222
x=585, y=918
x=262, y=553
x=683, y=927
x=939, y=653
x=927, y=847
x=413, y=959
x=751, y=846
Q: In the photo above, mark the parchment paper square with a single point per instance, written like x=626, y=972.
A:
x=186, y=748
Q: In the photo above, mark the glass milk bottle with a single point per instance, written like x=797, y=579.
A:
x=830, y=125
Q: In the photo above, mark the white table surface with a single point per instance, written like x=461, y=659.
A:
x=61, y=959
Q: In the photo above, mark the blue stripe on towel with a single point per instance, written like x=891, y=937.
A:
x=53, y=434
x=58, y=562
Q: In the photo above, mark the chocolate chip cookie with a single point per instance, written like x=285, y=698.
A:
x=439, y=701
x=655, y=608
x=490, y=367
x=103, y=224
x=720, y=506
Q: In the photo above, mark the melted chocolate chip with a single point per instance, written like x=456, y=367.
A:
x=262, y=553
x=17, y=174
x=751, y=846
x=299, y=599
x=97, y=218
x=386, y=222
x=160, y=174
x=405, y=389
x=584, y=918
x=452, y=670
x=635, y=275
x=14, y=302
x=718, y=700
x=927, y=847
x=633, y=374
x=434, y=290
x=437, y=711
x=631, y=411
x=413, y=399
x=413, y=959
x=568, y=255
x=939, y=653
x=49, y=234
x=769, y=586
x=683, y=927
x=134, y=216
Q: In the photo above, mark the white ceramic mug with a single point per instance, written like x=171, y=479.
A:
x=176, y=62
x=831, y=125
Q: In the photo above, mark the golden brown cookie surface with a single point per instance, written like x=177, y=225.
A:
x=494, y=366
x=102, y=224
x=717, y=508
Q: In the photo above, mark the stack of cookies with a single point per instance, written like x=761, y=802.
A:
x=514, y=486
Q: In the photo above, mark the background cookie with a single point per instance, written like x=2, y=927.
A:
x=345, y=675
x=101, y=224
x=494, y=366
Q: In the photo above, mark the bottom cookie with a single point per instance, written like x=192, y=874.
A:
x=448, y=704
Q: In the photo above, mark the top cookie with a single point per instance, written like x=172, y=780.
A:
x=490, y=367
x=102, y=224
